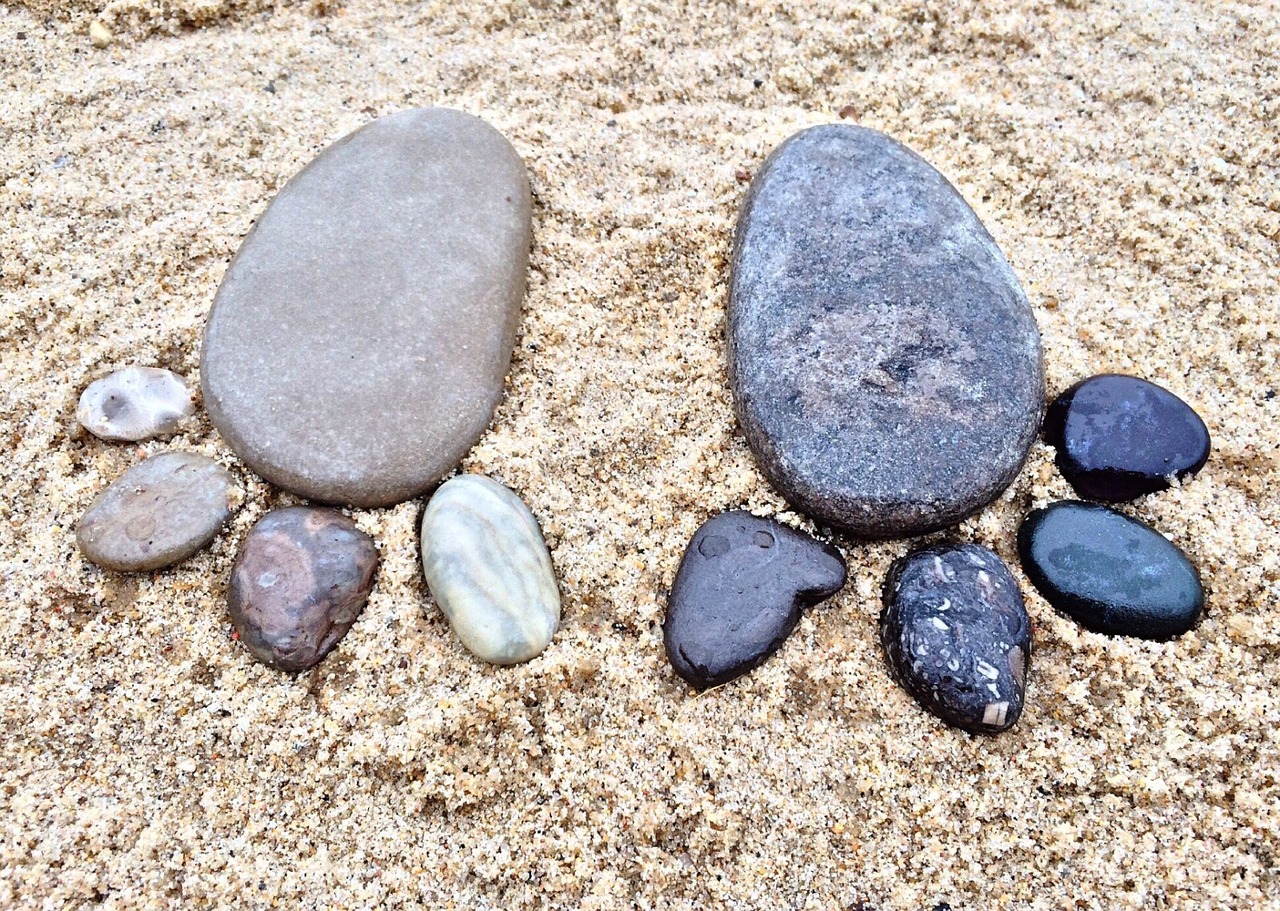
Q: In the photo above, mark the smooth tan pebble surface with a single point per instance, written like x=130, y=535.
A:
x=358, y=343
x=488, y=568
x=158, y=513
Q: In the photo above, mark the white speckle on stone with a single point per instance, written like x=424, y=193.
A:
x=995, y=714
x=939, y=623
x=986, y=670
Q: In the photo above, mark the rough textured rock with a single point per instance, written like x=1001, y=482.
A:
x=1111, y=573
x=1119, y=437
x=488, y=568
x=359, y=340
x=301, y=579
x=135, y=403
x=957, y=636
x=738, y=594
x=157, y=513
x=885, y=363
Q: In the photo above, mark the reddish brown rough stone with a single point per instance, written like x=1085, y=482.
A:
x=302, y=577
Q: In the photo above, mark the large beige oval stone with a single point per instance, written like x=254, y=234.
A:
x=358, y=344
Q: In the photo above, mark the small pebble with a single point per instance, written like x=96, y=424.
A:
x=1119, y=437
x=157, y=513
x=136, y=403
x=488, y=568
x=301, y=579
x=1110, y=573
x=957, y=636
x=739, y=592
x=99, y=35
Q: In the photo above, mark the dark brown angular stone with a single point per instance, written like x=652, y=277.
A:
x=301, y=579
x=739, y=592
x=885, y=363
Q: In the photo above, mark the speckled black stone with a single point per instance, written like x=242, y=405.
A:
x=1119, y=437
x=1110, y=573
x=956, y=635
x=738, y=594
x=884, y=361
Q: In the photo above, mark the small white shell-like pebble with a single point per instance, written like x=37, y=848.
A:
x=488, y=568
x=136, y=403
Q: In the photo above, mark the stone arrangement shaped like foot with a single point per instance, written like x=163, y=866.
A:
x=488, y=568
x=359, y=340
x=956, y=635
x=885, y=362
x=739, y=592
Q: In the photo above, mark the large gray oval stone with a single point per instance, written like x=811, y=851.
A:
x=885, y=363
x=359, y=341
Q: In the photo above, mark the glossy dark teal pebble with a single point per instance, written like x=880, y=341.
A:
x=1119, y=437
x=1110, y=573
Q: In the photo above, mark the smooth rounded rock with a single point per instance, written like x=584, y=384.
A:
x=157, y=513
x=885, y=363
x=489, y=570
x=301, y=579
x=1119, y=437
x=135, y=403
x=1110, y=573
x=359, y=340
x=957, y=637
x=739, y=592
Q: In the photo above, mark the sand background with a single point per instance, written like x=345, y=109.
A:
x=1124, y=155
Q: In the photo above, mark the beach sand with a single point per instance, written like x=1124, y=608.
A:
x=1125, y=157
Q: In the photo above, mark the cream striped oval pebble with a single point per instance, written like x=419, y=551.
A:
x=488, y=568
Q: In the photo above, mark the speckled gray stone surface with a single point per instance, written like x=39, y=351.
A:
x=157, y=513
x=885, y=363
x=360, y=338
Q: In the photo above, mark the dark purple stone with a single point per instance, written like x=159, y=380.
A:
x=957, y=636
x=739, y=592
x=1119, y=437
